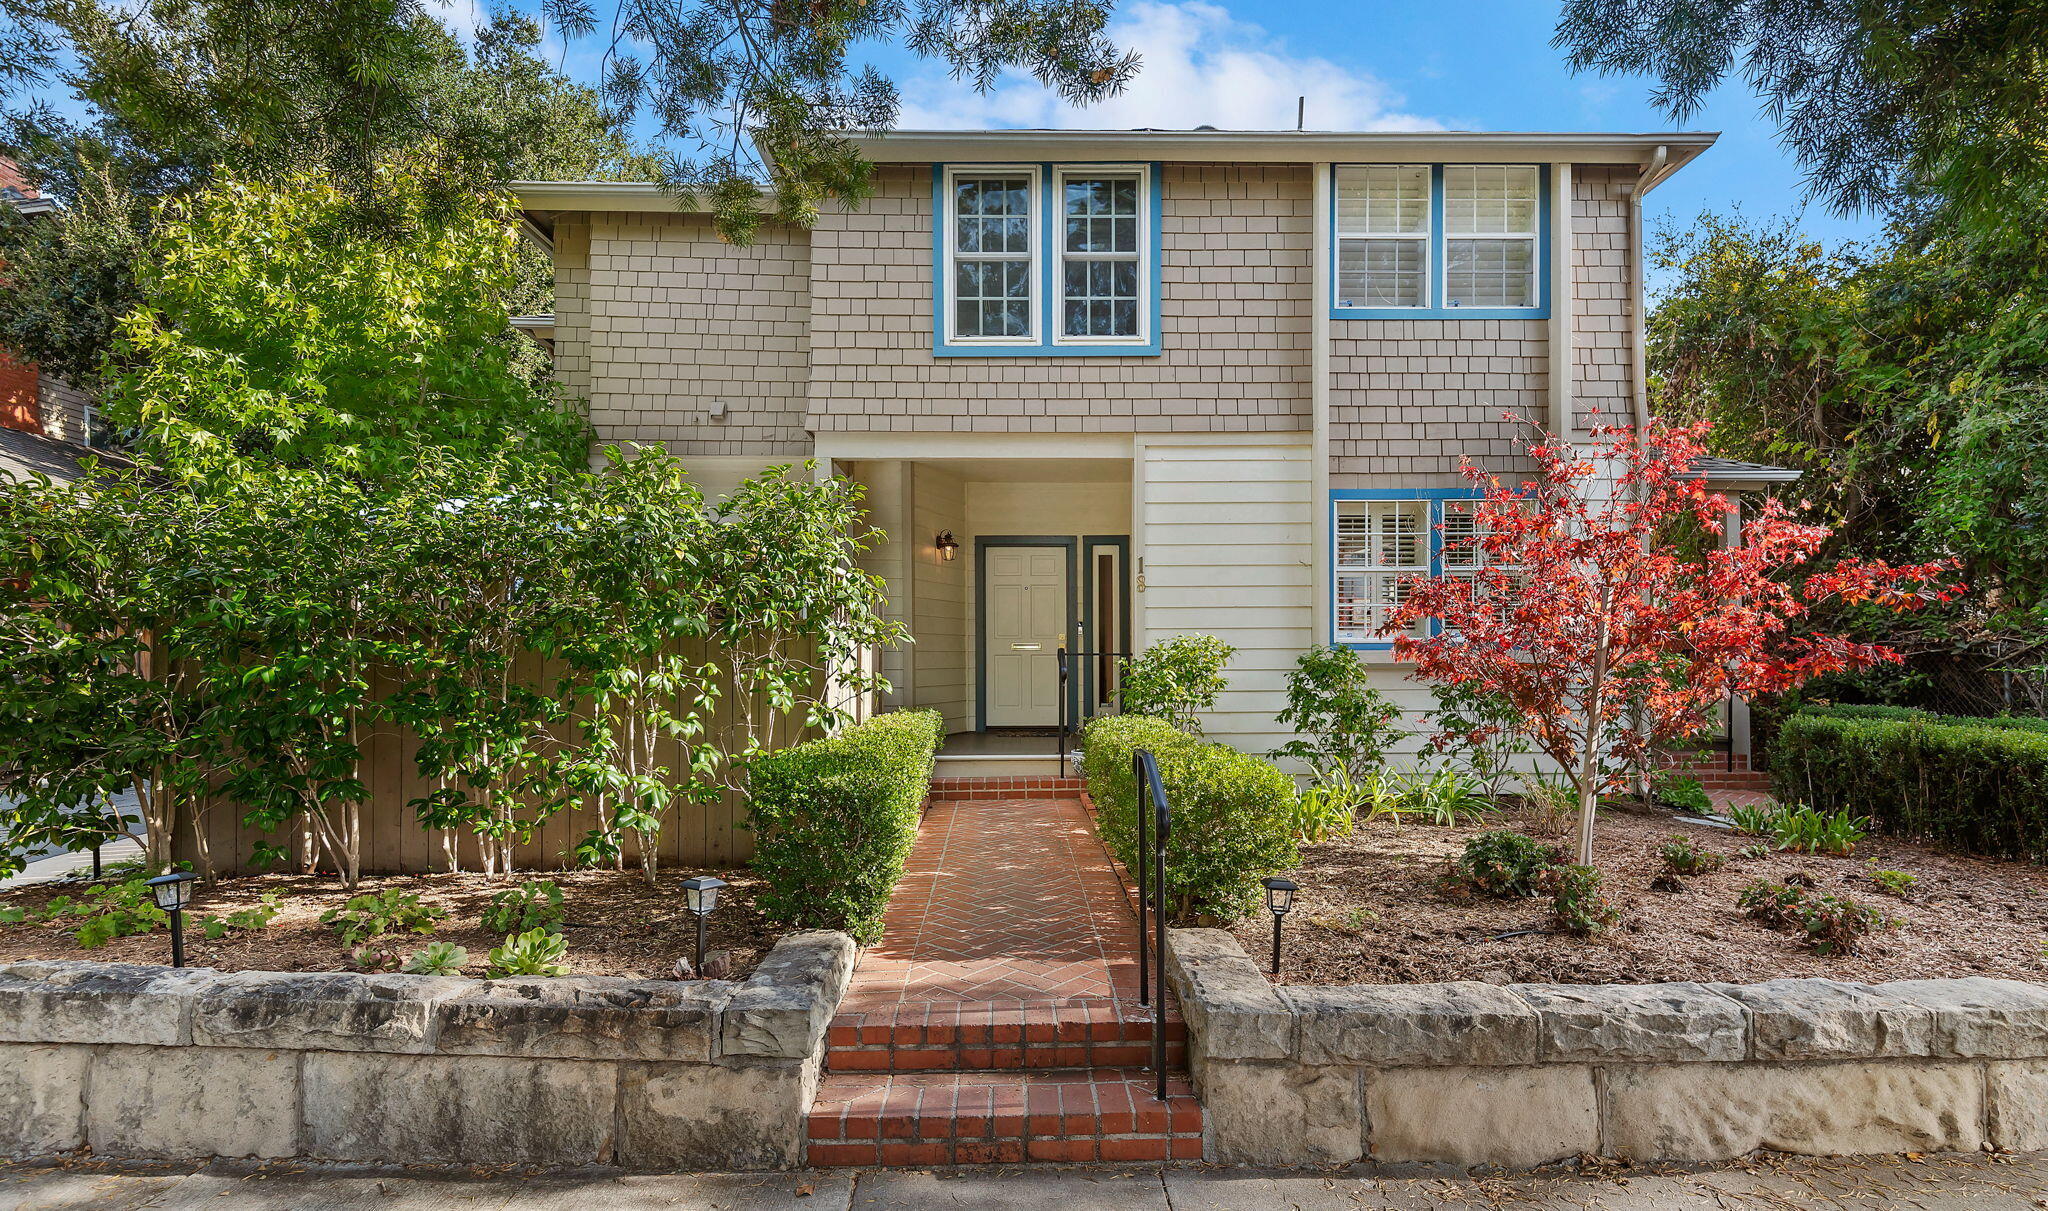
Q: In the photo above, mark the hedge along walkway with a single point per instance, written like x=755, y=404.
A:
x=998, y=1019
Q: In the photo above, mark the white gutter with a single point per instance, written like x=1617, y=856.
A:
x=1658, y=168
x=1278, y=146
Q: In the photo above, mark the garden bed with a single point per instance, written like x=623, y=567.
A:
x=613, y=925
x=1370, y=911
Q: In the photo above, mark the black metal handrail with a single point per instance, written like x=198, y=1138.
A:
x=1151, y=793
x=1066, y=730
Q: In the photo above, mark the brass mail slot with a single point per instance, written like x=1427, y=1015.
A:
x=1024, y=647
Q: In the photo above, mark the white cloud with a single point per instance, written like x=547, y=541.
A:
x=1202, y=66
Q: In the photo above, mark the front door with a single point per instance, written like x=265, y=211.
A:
x=1024, y=613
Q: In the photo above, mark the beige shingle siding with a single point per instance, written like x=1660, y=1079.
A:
x=1234, y=318
x=1602, y=312
x=63, y=408
x=663, y=320
x=1408, y=398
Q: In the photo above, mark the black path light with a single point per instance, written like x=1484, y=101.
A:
x=172, y=893
x=700, y=896
x=1279, y=902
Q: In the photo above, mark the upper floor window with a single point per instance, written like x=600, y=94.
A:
x=1440, y=240
x=1048, y=259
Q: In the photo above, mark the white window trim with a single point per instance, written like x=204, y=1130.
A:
x=1533, y=237
x=1035, y=259
x=1427, y=546
x=1423, y=237
x=1056, y=290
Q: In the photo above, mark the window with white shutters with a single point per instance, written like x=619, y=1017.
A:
x=1439, y=241
x=1490, y=237
x=1380, y=544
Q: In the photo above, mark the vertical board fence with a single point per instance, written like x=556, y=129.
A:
x=395, y=842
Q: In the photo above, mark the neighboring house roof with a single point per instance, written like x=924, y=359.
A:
x=16, y=191
x=1734, y=473
x=25, y=454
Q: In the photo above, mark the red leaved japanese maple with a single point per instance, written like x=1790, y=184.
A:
x=1610, y=639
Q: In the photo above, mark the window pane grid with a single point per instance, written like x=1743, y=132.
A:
x=1383, y=224
x=992, y=256
x=1099, y=279
x=1490, y=217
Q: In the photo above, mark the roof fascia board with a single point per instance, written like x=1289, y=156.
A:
x=1265, y=147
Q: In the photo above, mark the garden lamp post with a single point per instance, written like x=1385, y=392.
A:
x=172, y=892
x=700, y=895
x=1279, y=902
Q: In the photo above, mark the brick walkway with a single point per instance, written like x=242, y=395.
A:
x=998, y=1019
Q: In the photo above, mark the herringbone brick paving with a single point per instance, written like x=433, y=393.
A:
x=997, y=1020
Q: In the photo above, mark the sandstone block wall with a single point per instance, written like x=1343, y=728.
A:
x=155, y=1062
x=1472, y=1074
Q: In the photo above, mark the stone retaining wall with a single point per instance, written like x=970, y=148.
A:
x=136, y=1061
x=1472, y=1074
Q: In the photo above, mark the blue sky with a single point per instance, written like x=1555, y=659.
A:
x=1453, y=64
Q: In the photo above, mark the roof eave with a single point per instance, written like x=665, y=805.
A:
x=939, y=146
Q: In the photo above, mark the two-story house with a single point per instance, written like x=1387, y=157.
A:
x=1106, y=387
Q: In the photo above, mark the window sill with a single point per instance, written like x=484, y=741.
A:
x=1047, y=350
x=1439, y=313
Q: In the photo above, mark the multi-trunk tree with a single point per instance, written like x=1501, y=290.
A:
x=1609, y=627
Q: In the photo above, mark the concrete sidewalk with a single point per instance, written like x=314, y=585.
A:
x=1979, y=1183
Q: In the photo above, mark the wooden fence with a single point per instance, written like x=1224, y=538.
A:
x=395, y=842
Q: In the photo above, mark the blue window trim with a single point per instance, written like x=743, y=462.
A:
x=1435, y=497
x=1048, y=310
x=1437, y=239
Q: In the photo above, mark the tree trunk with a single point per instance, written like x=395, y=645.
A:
x=1589, y=758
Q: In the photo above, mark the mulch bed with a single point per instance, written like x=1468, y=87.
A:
x=614, y=926
x=1370, y=912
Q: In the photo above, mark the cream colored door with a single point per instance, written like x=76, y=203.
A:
x=1025, y=619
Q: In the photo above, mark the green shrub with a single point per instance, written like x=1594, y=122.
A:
x=436, y=959
x=1892, y=882
x=1832, y=924
x=1685, y=794
x=373, y=915
x=834, y=819
x=1799, y=827
x=1683, y=857
x=1233, y=815
x=1341, y=724
x=1907, y=714
x=1328, y=808
x=256, y=916
x=117, y=910
x=1506, y=864
x=1576, y=902
x=1753, y=819
x=1176, y=679
x=1446, y=797
x=537, y=952
x=1976, y=785
x=534, y=904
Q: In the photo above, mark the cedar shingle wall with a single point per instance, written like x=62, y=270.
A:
x=1234, y=317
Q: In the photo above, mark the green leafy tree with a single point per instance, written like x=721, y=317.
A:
x=273, y=328
x=1341, y=723
x=1880, y=101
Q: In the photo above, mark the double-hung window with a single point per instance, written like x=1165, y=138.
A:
x=992, y=257
x=1047, y=259
x=1461, y=552
x=1439, y=241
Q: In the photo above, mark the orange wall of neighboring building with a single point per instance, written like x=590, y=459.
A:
x=18, y=384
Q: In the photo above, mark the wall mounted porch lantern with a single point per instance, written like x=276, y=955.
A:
x=1279, y=902
x=172, y=892
x=948, y=545
x=700, y=896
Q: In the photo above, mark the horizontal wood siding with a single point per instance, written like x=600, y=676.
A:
x=1226, y=542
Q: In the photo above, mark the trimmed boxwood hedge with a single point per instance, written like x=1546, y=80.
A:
x=1232, y=814
x=833, y=821
x=2020, y=723
x=1979, y=785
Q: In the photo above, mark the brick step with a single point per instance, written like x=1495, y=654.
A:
x=1016, y=786
x=984, y=1118
x=912, y=1037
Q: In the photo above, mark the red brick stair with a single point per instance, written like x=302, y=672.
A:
x=1011, y=786
x=982, y=1118
x=918, y=1036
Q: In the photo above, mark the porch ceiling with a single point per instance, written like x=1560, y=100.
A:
x=1035, y=470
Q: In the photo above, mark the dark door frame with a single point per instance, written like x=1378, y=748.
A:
x=1121, y=641
x=982, y=543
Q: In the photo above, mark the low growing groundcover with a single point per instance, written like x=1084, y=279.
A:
x=1371, y=911
x=612, y=924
